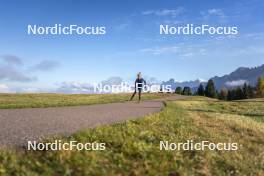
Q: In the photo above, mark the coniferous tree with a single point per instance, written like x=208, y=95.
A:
x=187, y=91
x=178, y=90
x=223, y=94
x=210, y=90
x=245, y=91
x=250, y=91
x=239, y=93
x=231, y=95
x=200, y=90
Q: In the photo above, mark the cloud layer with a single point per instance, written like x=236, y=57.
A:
x=13, y=68
x=79, y=87
x=46, y=65
x=4, y=88
x=235, y=83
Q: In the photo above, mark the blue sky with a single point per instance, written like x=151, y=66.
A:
x=132, y=42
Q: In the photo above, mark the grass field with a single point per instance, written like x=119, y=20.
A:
x=133, y=146
x=55, y=100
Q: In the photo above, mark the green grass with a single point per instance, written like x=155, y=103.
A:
x=55, y=100
x=253, y=108
x=133, y=146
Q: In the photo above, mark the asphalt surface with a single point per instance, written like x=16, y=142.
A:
x=17, y=126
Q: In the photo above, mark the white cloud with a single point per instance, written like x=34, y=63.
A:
x=45, y=65
x=180, y=50
x=4, y=88
x=213, y=13
x=161, y=50
x=122, y=26
x=83, y=87
x=217, y=12
x=30, y=90
x=75, y=87
x=255, y=36
x=12, y=60
x=249, y=50
x=165, y=12
x=235, y=83
x=172, y=22
x=11, y=73
x=202, y=80
x=12, y=68
x=114, y=80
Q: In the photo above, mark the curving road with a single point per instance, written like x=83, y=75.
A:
x=17, y=126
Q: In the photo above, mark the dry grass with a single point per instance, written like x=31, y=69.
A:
x=55, y=100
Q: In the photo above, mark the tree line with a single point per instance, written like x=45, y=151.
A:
x=238, y=93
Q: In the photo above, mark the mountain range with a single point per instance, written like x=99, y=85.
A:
x=239, y=77
x=236, y=78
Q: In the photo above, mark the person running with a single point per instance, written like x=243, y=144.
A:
x=139, y=84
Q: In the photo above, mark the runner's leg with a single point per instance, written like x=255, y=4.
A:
x=133, y=95
x=139, y=94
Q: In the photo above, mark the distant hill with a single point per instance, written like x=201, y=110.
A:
x=239, y=77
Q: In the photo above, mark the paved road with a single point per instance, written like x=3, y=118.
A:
x=17, y=126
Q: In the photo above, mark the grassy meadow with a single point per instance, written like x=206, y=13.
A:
x=132, y=147
x=8, y=101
